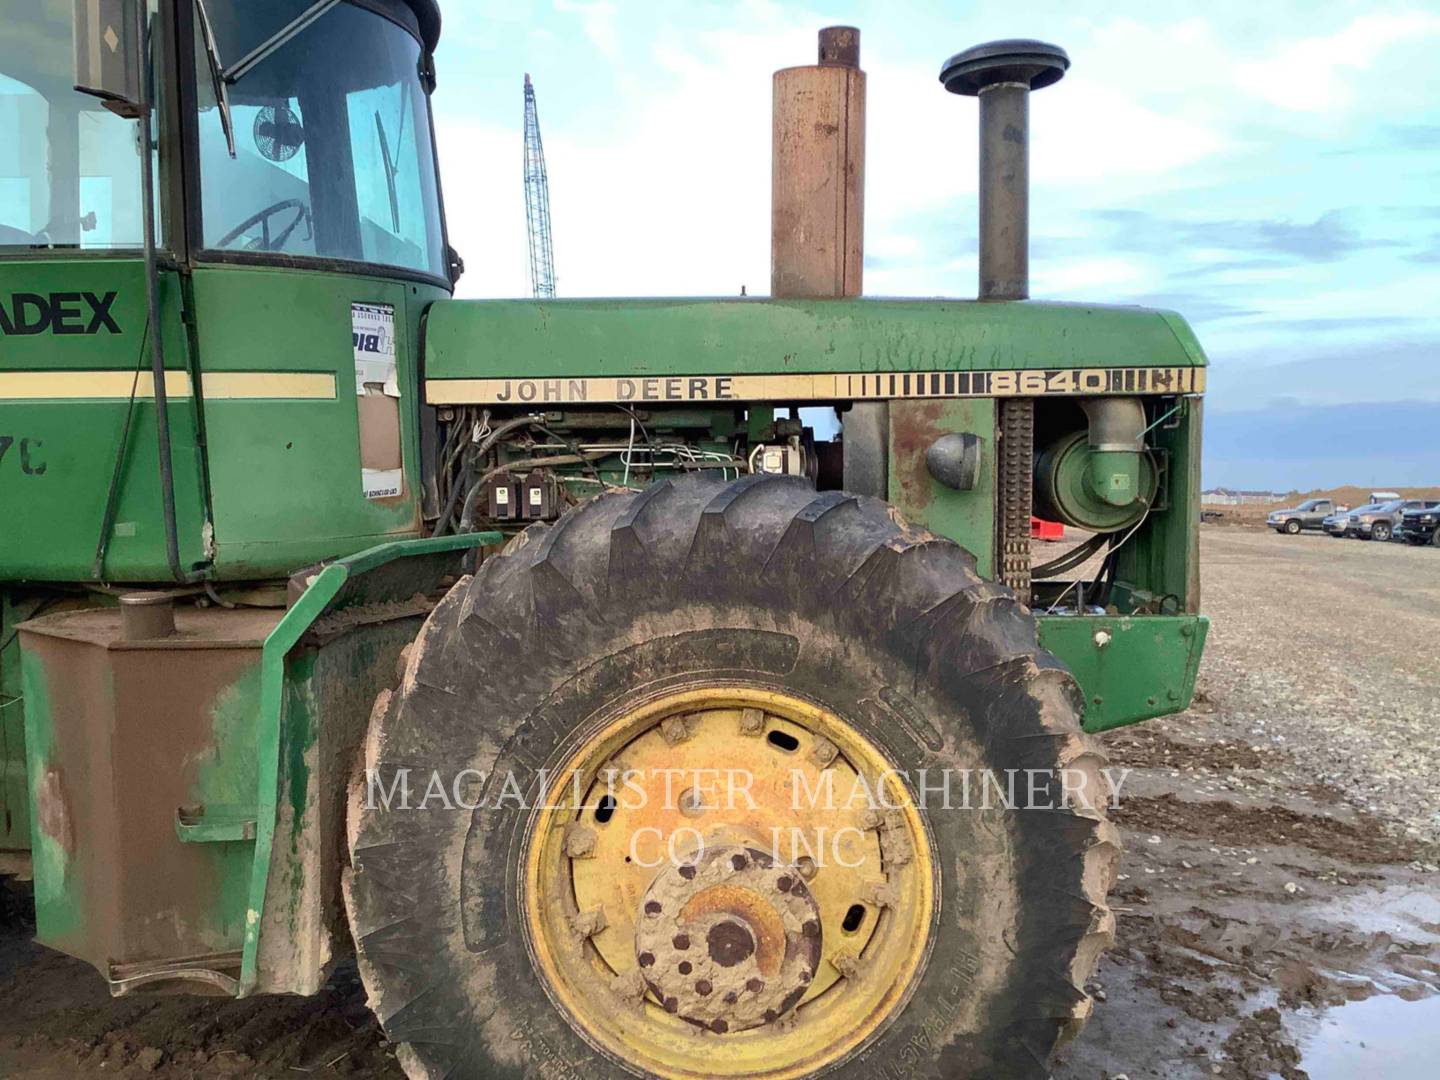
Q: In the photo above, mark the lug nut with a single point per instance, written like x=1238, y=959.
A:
x=589, y=923
x=895, y=847
x=580, y=842
x=629, y=987
x=882, y=895
x=824, y=751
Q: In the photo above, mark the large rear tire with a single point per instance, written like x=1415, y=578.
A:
x=750, y=622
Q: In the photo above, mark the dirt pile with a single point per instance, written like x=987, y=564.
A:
x=56, y=1020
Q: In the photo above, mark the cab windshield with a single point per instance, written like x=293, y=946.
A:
x=332, y=144
x=69, y=169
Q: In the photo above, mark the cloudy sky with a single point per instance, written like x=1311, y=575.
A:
x=1271, y=170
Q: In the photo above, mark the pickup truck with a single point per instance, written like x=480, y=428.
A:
x=1420, y=525
x=1310, y=514
x=1381, y=522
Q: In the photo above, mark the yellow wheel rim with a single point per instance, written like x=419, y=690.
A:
x=728, y=882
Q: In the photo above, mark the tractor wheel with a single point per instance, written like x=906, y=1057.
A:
x=1292, y=526
x=712, y=802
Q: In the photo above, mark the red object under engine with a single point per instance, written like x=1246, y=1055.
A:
x=1041, y=529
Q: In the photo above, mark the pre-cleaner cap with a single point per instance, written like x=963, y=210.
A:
x=1037, y=64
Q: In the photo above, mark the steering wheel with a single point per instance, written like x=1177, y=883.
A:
x=265, y=242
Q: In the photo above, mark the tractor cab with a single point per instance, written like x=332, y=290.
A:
x=313, y=135
x=295, y=236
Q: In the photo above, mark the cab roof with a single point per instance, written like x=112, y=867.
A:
x=241, y=26
x=427, y=14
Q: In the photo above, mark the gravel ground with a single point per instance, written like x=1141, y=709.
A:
x=1280, y=865
x=1278, y=909
x=1331, y=650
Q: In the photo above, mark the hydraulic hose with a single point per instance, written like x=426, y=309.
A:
x=1072, y=558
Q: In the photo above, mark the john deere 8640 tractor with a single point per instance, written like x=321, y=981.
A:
x=534, y=653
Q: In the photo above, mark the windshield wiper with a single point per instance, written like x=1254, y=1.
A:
x=390, y=170
x=217, y=80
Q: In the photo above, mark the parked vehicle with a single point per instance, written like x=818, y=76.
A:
x=1420, y=525
x=1380, y=522
x=1310, y=514
x=1338, y=523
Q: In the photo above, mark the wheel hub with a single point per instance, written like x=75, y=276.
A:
x=729, y=941
x=783, y=922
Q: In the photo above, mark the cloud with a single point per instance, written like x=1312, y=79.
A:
x=1328, y=238
x=1211, y=267
x=485, y=205
x=1322, y=371
x=597, y=20
x=1402, y=138
x=1325, y=239
x=1326, y=325
x=1087, y=277
x=1315, y=74
x=1428, y=253
x=1197, y=307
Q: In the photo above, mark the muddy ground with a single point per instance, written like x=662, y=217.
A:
x=1278, y=911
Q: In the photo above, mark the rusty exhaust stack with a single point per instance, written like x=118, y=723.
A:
x=1002, y=74
x=817, y=205
x=817, y=215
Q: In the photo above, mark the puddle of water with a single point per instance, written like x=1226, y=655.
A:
x=1396, y=908
x=1380, y=1036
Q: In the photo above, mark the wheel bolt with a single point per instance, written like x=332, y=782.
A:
x=824, y=751
x=589, y=923
x=580, y=842
x=674, y=730
x=629, y=987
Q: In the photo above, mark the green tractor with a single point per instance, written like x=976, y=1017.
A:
x=633, y=687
